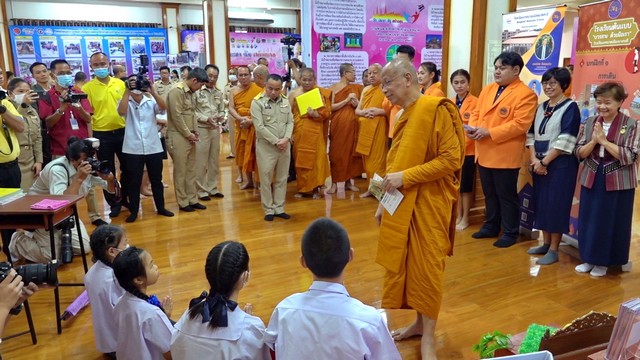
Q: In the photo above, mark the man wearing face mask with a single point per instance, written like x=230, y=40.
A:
x=104, y=94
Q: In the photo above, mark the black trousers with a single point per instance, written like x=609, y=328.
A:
x=135, y=170
x=500, y=187
x=10, y=177
x=110, y=147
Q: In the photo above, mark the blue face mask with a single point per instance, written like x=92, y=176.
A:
x=101, y=72
x=65, y=80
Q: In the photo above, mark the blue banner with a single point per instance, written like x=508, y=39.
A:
x=76, y=44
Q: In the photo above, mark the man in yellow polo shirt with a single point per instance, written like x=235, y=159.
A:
x=104, y=94
x=10, y=176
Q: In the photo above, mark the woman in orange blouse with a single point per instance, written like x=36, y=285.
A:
x=466, y=103
x=429, y=79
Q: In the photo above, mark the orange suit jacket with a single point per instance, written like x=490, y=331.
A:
x=508, y=119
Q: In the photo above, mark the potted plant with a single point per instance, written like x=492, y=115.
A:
x=491, y=342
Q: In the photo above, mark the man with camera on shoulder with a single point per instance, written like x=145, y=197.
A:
x=73, y=174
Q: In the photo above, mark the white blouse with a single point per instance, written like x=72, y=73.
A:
x=104, y=292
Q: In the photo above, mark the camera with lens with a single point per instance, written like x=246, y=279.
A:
x=3, y=94
x=35, y=273
x=73, y=98
x=97, y=166
x=66, y=247
x=290, y=39
x=142, y=83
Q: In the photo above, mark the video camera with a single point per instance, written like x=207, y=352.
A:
x=35, y=273
x=97, y=166
x=142, y=83
x=74, y=98
x=290, y=40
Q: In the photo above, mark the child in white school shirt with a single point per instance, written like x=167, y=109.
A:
x=214, y=327
x=144, y=328
x=103, y=289
x=325, y=322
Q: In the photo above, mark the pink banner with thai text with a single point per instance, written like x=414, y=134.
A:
x=246, y=48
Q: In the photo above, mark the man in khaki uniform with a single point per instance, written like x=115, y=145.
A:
x=182, y=137
x=165, y=84
x=273, y=121
x=209, y=114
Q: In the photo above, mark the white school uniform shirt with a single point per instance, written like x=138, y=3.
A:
x=241, y=340
x=104, y=292
x=326, y=323
x=144, y=331
x=141, y=129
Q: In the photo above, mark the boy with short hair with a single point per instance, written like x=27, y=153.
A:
x=325, y=321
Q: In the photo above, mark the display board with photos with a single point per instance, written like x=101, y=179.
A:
x=76, y=44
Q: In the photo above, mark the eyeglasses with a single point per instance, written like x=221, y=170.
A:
x=549, y=83
x=386, y=83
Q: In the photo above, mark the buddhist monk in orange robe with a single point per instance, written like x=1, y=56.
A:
x=310, y=132
x=392, y=114
x=240, y=99
x=373, y=124
x=424, y=164
x=343, y=133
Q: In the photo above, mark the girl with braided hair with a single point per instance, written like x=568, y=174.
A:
x=103, y=289
x=214, y=327
x=144, y=328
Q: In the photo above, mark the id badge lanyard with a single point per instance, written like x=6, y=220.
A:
x=73, y=121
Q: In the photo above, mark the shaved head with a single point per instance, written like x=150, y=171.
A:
x=260, y=74
x=400, y=67
x=400, y=82
x=308, y=71
x=374, y=74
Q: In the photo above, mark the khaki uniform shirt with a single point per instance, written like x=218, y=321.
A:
x=209, y=104
x=181, y=105
x=31, y=138
x=162, y=89
x=273, y=120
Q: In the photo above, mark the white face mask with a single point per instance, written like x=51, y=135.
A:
x=137, y=92
x=233, y=78
x=19, y=98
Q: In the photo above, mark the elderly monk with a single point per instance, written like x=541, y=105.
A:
x=373, y=124
x=310, y=133
x=240, y=98
x=343, y=132
x=424, y=164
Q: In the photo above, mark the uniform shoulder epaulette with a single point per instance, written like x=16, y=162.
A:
x=259, y=96
x=284, y=96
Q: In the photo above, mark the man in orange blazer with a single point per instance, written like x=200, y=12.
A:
x=499, y=125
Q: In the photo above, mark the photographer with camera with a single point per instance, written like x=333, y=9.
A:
x=75, y=173
x=66, y=113
x=139, y=105
x=13, y=293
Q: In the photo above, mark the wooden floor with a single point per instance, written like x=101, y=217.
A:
x=486, y=288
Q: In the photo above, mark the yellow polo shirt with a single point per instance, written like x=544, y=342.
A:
x=104, y=99
x=6, y=155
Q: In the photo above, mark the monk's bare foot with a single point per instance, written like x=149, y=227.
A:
x=410, y=331
x=365, y=195
x=246, y=186
x=332, y=189
x=316, y=194
x=239, y=179
x=462, y=225
x=353, y=188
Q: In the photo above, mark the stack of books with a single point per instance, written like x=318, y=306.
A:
x=7, y=195
x=625, y=339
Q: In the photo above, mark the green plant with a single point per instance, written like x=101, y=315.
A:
x=491, y=342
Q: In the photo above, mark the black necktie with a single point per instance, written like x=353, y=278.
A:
x=500, y=89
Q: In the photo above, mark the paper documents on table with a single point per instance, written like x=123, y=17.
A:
x=390, y=200
x=310, y=99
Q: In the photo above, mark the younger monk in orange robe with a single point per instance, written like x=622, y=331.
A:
x=345, y=163
x=240, y=98
x=424, y=164
x=310, y=133
x=372, y=122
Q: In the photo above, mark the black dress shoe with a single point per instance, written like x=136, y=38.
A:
x=205, y=198
x=198, y=206
x=188, y=208
x=131, y=218
x=217, y=195
x=268, y=217
x=115, y=211
x=283, y=216
x=99, y=222
x=483, y=234
x=165, y=212
x=505, y=242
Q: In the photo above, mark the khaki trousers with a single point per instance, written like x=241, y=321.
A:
x=183, y=154
x=273, y=164
x=207, y=159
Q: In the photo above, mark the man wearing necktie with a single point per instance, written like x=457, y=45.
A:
x=499, y=124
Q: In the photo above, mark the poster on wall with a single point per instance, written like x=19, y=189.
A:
x=247, y=48
x=537, y=36
x=607, y=49
x=76, y=44
x=364, y=32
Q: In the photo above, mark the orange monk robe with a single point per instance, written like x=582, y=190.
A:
x=372, y=134
x=310, y=145
x=468, y=105
x=345, y=163
x=428, y=147
x=245, y=138
x=392, y=113
x=434, y=90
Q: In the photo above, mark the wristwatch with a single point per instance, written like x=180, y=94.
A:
x=59, y=111
x=16, y=310
x=542, y=163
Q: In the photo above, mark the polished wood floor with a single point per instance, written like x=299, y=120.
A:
x=486, y=288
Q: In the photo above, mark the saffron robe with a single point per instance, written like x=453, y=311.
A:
x=372, y=134
x=343, y=133
x=310, y=145
x=428, y=147
x=392, y=114
x=245, y=138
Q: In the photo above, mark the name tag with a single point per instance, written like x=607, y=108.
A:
x=74, y=122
